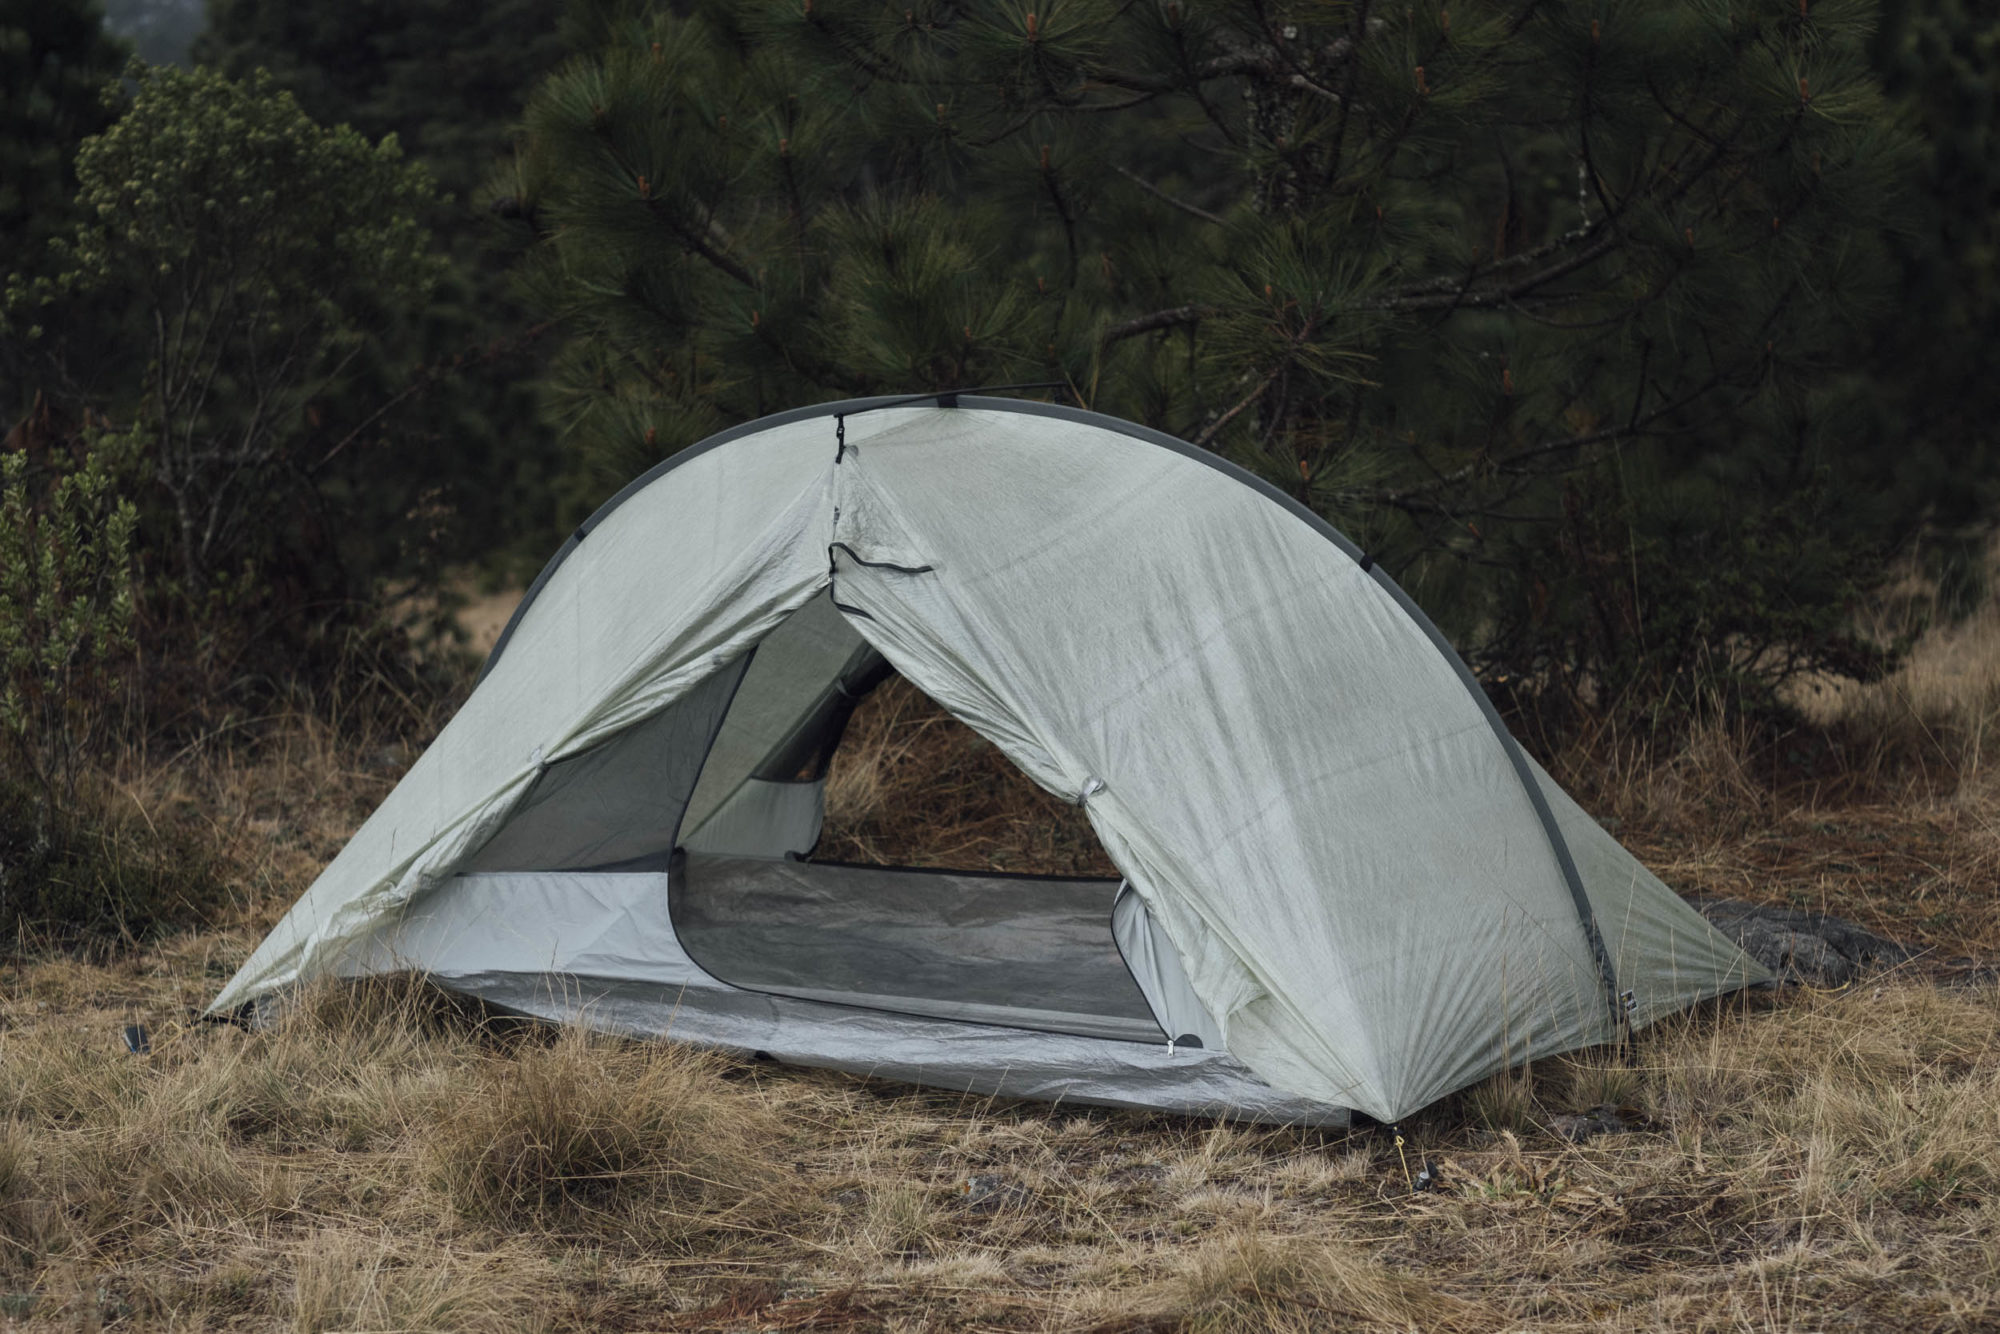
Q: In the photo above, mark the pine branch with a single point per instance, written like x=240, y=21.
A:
x=1360, y=34
x=1214, y=428
x=1159, y=319
x=698, y=243
x=1166, y=198
x=1461, y=295
x=1510, y=464
x=1063, y=210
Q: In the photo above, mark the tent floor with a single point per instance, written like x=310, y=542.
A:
x=967, y=1059
x=1019, y=952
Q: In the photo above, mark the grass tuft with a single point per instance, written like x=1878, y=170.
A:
x=1246, y=1282
x=22, y=1230
x=1505, y=1101
x=346, y=1281
x=104, y=876
x=588, y=1134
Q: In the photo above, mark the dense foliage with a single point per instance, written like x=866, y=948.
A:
x=1933, y=361
x=261, y=249
x=1636, y=338
x=240, y=262
x=255, y=296
x=55, y=62
x=1640, y=338
x=66, y=602
x=448, y=83
x=462, y=450
x=1552, y=307
x=74, y=865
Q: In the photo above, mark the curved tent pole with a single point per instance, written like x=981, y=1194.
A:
x=1618, y=1000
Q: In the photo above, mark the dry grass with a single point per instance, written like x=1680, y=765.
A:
x=384, y=1160
x=1936, y=720
x=1884, y=808
x=1816, y=1154
x=388, y=1159
x=592, y=1136
x=346, y=1279
x=913, y=786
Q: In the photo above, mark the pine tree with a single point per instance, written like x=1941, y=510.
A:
x=1933, y=361
x=448, y=84
x=1555, y=308
x=55, y=60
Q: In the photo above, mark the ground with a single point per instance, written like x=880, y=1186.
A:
x=386, y=1159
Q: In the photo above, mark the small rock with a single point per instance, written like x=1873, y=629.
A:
x=1801, y=946
x=988, y=1194
x=1601, y=1120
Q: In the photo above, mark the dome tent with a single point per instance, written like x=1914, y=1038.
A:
x=1344, y=884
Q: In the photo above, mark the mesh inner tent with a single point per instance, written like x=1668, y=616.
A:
x=1019, y=951
x=621, y=802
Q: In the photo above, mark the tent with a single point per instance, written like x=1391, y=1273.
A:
x=1344, y=885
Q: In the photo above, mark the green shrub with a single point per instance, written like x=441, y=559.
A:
x=77, y=866
x=66, y=590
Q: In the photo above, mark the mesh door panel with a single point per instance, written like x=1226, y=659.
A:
x=618, y=803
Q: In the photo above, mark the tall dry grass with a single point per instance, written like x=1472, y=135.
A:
x=1936, y=718
x=912, y=786
x=379, y=1145
x=594, y=1136
x=347, y=1278
x=387, y=1158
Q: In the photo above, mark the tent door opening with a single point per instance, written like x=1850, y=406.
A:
x=757, y=902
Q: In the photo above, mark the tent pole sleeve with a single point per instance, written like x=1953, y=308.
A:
x=1607, y=972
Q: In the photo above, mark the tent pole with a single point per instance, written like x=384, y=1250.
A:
x=1620, y=1001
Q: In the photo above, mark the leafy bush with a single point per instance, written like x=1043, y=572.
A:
x=76, y=866
x=264, y=252
x=66, y=593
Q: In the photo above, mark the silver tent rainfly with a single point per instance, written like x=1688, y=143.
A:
x=1345, y=887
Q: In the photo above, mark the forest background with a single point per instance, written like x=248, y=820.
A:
x=1648, y=344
